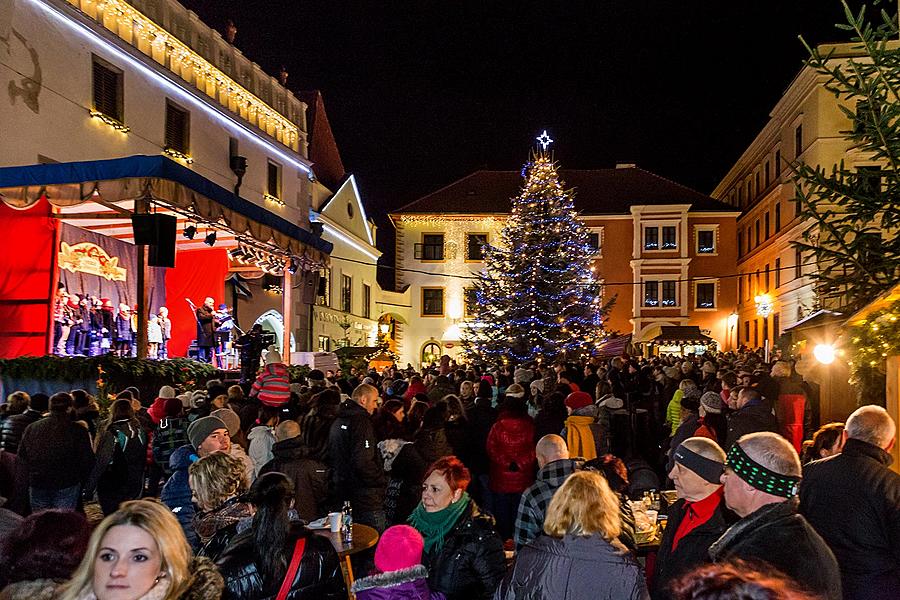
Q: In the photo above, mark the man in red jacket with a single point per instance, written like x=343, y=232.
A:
x=510, y=448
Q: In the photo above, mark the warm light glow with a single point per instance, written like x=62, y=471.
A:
x=763, y=305
x=454, y=308
x=824, y=353
x=384, y=328
x=732, y=320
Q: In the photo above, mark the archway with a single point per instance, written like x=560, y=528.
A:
x=431, y=352
x=273, y=322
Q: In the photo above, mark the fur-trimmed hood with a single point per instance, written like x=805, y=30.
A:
x=208, y=583
x=405, y=584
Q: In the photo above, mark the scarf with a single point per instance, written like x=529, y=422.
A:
x=159, y=591
x=435, y=525
x=580, y=438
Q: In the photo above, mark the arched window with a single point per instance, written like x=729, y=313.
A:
x=431, y=352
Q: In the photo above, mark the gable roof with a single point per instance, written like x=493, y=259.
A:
x=597, y=192
x=323, y=151
x=335, y=208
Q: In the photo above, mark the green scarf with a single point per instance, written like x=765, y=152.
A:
x=435, y=525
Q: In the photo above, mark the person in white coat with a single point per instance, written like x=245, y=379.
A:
x=262, y=437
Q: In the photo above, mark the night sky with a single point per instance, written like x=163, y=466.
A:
x=422, y=93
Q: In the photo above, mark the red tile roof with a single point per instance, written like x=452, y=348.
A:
x=597, y=192
x=323, y=150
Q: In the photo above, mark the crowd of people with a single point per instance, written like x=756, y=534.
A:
x=508, y=482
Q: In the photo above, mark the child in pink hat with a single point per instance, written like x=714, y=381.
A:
x=399, y=570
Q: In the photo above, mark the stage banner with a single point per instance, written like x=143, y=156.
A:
x=27, y=263
x=97, y=265
x=197, y=274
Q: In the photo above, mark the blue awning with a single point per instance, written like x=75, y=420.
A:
x=150, y=168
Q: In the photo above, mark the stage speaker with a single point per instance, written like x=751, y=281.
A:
x=310, y=287
x=144, y=227
x=162, y=250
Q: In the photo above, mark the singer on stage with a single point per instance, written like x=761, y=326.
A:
x=206, y=330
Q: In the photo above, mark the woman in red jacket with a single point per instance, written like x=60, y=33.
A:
x=510, y=448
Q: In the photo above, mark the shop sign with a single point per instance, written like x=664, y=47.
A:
x=89, y=258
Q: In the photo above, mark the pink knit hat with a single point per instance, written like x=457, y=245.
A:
x=400, y=547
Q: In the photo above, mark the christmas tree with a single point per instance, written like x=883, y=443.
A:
x=537, y=296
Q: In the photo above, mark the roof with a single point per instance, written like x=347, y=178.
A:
x=681, y=333
x=323, y=151
x=597, y=192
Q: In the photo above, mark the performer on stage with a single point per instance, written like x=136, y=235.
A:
x=59, y=315
x=108, y=320
x=223, y=333
x=166, y=325
x=206, y=330
x=73, y=315
x=154, y=336
x=250, y=346
x=123, y=335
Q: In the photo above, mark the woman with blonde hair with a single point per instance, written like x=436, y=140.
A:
x=579, y=555
x=217, y=482
x=140, y=553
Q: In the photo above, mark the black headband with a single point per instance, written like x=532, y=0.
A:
x=710, y=470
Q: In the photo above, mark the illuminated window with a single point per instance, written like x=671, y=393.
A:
x=706, y=295
x=433, y=302
x=475, y=243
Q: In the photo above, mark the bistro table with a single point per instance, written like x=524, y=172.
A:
x=364, y=537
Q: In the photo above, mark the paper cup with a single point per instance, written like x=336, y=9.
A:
x=334, y=521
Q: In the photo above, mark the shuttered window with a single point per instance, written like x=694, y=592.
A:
x=177, y=128
x=108, y=90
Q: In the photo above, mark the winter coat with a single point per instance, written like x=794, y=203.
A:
x=118, y=473
x=154, y=333
x=13, y=427
x=176, y=493
x=749, y=419
x=356, y=468
x=315, y=430
x=510, y=448
x=598, y=431
x=406, y=470
x=458, y=435
x=573, y=568
x=216, y=528
x=273, y=385
x=687, y=428
x=318, y=578
x=123, y=329
x=481, y=419
x=692, y=550
x=777, y=534
x=405, y=584
x=171, y=433
x=471, y=563
x=432, y=444
x=33, y=589
x=535, y=500
x=55, y=453
x=207, y=584
x=309, y=475
x=90, y=414
x=853, y=501
x=206, y=335
x=793, y=412
x=262, y=438
x=549, y=421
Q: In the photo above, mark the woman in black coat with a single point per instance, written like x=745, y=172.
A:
x=256, y=563
x=118, y=473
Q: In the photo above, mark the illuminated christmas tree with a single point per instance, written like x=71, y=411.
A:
x=537, y=296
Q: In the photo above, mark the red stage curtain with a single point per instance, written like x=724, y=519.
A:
x=27, y=268
x=197, y=274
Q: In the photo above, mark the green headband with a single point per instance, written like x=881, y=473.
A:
x=759, y=476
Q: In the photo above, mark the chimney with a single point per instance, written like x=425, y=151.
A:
x=283, y=76
x=230, y=31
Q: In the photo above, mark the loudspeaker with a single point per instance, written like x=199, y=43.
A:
x=310, y=285
x=144, y=227
x=162, y=251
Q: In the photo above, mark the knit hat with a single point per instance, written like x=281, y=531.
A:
x=515, y=391
x=522, y=375
x=166, y=391
x=400, y=547
x=316, y=375
x=708, y=367
x=185, y=399
x=577, y=400
x=711, y=402
x=611, y=402
x=201, y=429
x=172, y=407
x=671, y=372
x=273, y=357
x=230, y=418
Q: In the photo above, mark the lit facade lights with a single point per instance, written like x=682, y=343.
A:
x=273, y=199
x=186, y=158
x=122, y=127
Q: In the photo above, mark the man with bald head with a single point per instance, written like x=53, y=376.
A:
x=295, y=459
x=761, y=480
x=697, y=519
x=554, y=467
x=852, y=499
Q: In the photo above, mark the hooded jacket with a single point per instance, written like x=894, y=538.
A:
x=118, y=473
x=176, y=493
x=262, y=438
x=510, y=448
x=273, y=385
x=573, y=568
x=356, y=468
x=310, y=476
x=405, y=584
x=171, y=433
x=749, y=419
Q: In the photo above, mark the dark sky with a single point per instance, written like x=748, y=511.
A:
x=420, y=93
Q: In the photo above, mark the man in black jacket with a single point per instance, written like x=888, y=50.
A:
x=852, y=500
x=357, y=471
x=762, y=476
x=697, y=519
x=55, y=457
x=14, y=425
x=310, y=477
x=751, y=414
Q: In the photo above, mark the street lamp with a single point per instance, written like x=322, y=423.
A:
x=763, y=305
x=824, y=353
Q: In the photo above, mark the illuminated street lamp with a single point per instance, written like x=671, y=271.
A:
x=824, y=353
x=763, y=305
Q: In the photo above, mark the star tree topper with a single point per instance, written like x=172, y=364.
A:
x=544, y=140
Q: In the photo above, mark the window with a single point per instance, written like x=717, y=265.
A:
x=323, y=293
x=431, y=353
x=747, y=331
x=706, y=241
x=432, y=302
x=767, y=177
x=756, y=183
x=869, y=179
x=324, y=343
x=594, y=241
x=777, y=164
x=756, y=333
x=777, y=217
x=432, y=246
x=749, y=241
x=668, y=293
x=470, y=301
x=273, y=180
x=651, y=293
x=178, y=128
x=475, y=243
x=776, y=326
x=767, y=225
x=367, y=301
x=669, y=238
x=706, y=295
x=765, y=329
x=777, y=273
x=651, y=238
x=798, y=140
x=346, y=293
x=767, y=278
x=740, y=287
x=756, y=226
x=740, y=244
x=798, y=263
x=108, y=95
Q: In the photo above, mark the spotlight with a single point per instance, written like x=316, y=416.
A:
x=293, y=265
x=190, y=231
x=210, y=239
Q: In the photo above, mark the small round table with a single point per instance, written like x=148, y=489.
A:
x=364, y=537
